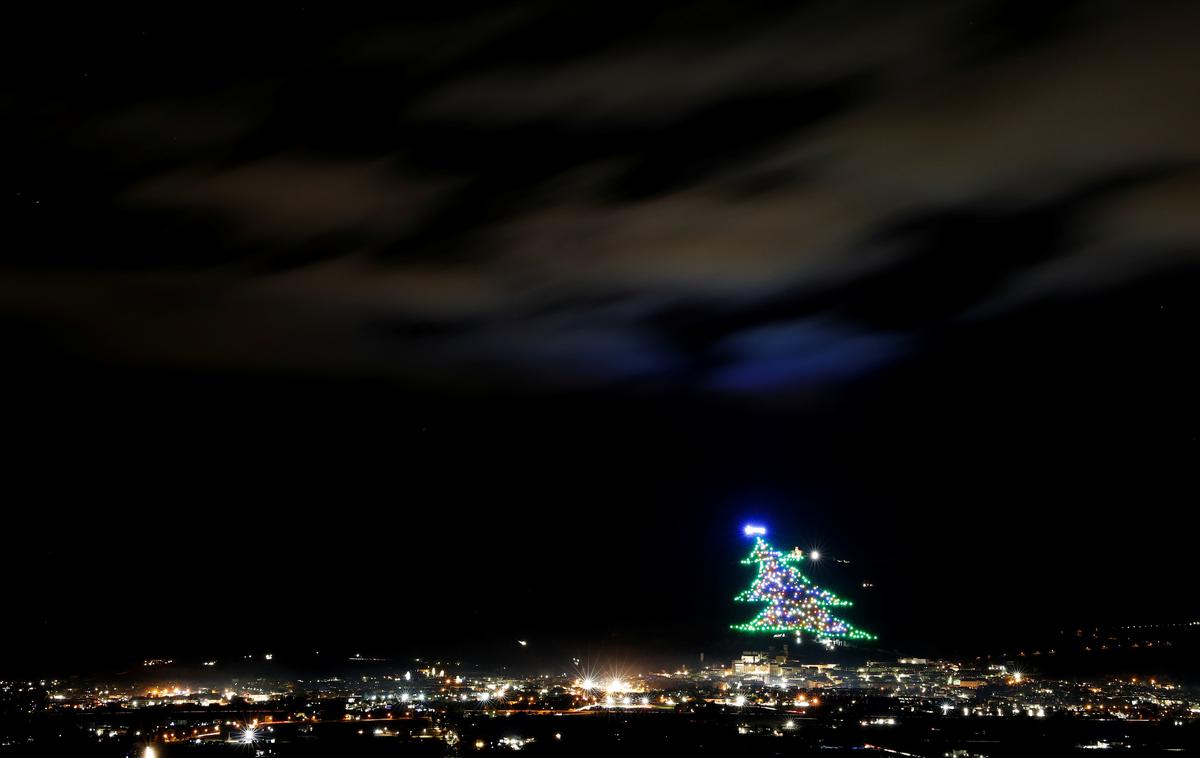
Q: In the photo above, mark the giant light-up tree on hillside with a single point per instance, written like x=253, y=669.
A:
x=791, y=603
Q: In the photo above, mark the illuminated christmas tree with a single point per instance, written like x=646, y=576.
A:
x=792, y=603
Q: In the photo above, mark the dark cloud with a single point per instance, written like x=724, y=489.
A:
x=292, y=199
x=700, y=198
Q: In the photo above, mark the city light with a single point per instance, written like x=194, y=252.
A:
x=815, y=555
x=761, y=680
x=767, y=681
x=750, y=530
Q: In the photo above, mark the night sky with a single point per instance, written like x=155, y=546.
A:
x=435, y=331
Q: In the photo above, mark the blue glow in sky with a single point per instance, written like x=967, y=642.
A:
x=798, y=352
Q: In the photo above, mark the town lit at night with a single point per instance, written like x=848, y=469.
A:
x=588, y=379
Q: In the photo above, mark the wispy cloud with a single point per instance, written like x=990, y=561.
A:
x=746, y=204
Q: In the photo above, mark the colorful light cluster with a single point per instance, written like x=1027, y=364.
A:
x=793, y=603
